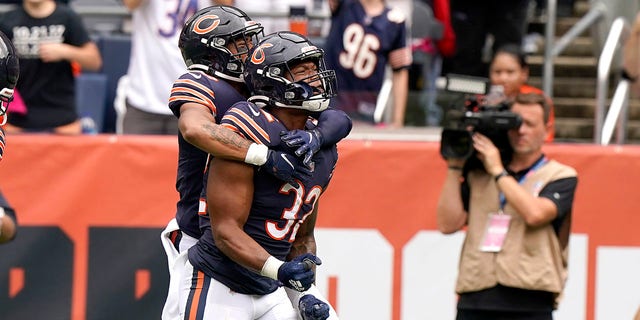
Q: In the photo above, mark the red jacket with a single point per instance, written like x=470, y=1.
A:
x=446, y=45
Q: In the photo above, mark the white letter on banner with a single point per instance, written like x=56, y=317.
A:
x=429, y=271
x=573, y=304
x=362, y=261
x=617, y=282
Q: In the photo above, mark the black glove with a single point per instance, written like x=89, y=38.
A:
x=307, y=141
x=286, y=167
x=298, y=273
x=312, y=308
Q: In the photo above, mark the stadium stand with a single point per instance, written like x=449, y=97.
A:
x=107, y=20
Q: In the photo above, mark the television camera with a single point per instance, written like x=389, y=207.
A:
x=485, y=111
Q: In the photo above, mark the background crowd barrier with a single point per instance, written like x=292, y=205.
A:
x=91, y=210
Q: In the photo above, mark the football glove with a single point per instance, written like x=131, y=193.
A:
x=312, y=308
x=298, y=273
x=286, y=167
x=307, y=141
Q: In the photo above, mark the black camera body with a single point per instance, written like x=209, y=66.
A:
x=491, y=120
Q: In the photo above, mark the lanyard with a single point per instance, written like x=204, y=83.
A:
x=541, y=162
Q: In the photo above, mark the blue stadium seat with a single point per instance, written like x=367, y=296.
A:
x=115, y=51
x=91, y=97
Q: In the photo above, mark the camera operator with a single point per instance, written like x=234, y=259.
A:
x=513, y=263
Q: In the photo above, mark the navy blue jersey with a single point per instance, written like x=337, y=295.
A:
x=218, y=96
x=359, y=47
x=277, y=209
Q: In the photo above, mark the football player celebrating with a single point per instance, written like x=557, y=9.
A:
x=9, y=72
x=214, y=43
x=261, y=231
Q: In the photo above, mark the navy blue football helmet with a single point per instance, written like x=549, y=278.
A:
x=9, y=72
x=205, y=38
x=271, y=60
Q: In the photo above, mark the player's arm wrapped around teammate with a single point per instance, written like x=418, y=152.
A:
x=281, y=165
x=307, y=141
x=333, y=126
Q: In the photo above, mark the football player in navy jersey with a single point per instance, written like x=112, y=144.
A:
x=9, y=72
x=214, y=43
x=364, y=38
x=260, y=236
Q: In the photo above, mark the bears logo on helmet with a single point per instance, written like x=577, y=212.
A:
x=258, y=54
x=215, y=21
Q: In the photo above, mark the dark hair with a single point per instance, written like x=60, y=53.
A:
x=513, y=50
x=535, y=98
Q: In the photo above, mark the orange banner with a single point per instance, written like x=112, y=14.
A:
x=78, y=183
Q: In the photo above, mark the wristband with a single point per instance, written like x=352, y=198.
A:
x=455, y=168
x=501, y=174
x=270, y=268
x=257, y=154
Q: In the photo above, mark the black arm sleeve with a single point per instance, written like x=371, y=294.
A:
x=561, y=192
x=334, y=125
